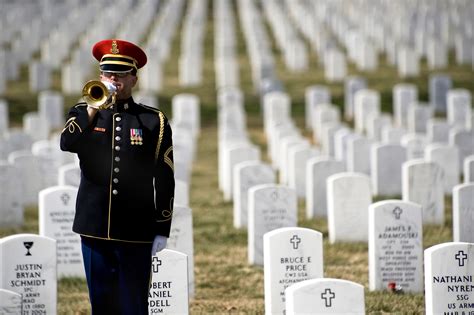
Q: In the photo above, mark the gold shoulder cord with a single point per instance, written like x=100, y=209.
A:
x=160, y=137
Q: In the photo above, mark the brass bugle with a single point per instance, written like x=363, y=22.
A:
x=97, y=95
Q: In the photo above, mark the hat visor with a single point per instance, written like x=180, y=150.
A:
x=115, y=68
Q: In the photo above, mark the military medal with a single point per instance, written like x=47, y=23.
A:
x=136, y=137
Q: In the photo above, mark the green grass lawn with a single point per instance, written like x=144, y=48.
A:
x=225, y=282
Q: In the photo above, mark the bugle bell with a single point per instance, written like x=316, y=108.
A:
x=98, y=94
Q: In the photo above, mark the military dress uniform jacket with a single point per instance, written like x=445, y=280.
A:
x=127, y=172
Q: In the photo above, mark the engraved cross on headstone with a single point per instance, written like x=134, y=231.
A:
x=461, y=257
x=274, y=195
x=397, y=212
x=295, y=240
x=65, y=198
x=158, y=263
x=327, y=296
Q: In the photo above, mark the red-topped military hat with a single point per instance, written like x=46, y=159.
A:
x=116, y=55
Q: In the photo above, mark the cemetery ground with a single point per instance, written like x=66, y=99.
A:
x=225, y=282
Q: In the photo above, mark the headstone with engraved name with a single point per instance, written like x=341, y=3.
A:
x=10, y=302
x=395, y=246
x=422, y=183
x=348, y=196
x=246, y=175
x=449, y=278
x=169, y=283
x=270, y=207
x=463, y=213
x=325, y=296
x=291, y=255
x=181, y=239
x=56, y=208
x=28, y=264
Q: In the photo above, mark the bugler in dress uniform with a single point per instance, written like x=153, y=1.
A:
x=127, y=181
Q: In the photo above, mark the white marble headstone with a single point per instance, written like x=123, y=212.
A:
x=422, y=183
x=449, y=278
x=169, y=283
x=246, y=175
x=270, y=207
x=325, y=296
x=291, y=255
x=181, y=239
x=28, y=264
x=463, y=213
x=348, y=196
x=69, y=174
x=386, y=169
x=319, y=169
x=11, y=200
x=395, y=246
x=447, y=157
x=56, y=208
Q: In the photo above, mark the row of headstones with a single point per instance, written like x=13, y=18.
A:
x=56, y=50
x=192, y=44
x=365, y=41
x=292, y=47
x=30, y=271
x=259, y=47
x=226, y=66
x=293, y=273
x=261, y=205
x=158, y=44
x=26, y=28
x=295, y=283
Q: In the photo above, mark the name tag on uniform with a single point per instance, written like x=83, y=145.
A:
x=136, y=136
x=99, y=129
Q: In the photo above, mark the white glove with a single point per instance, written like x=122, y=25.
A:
x=158, y=244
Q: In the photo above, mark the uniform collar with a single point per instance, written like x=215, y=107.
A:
x=123, y=105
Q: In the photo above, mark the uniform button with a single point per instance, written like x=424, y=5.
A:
x=118, y=128
x=117, y=148
x=114, y=192
x=116, y=170
x=117, y=138
x=115, y=180
x=118, y=118
x=117, y=159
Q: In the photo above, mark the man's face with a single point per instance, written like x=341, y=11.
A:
x=123, y=81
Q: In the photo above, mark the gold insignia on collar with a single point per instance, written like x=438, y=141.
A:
x=114, y=49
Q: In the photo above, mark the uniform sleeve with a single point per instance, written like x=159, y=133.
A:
x=164, y=178
x=77, y=122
